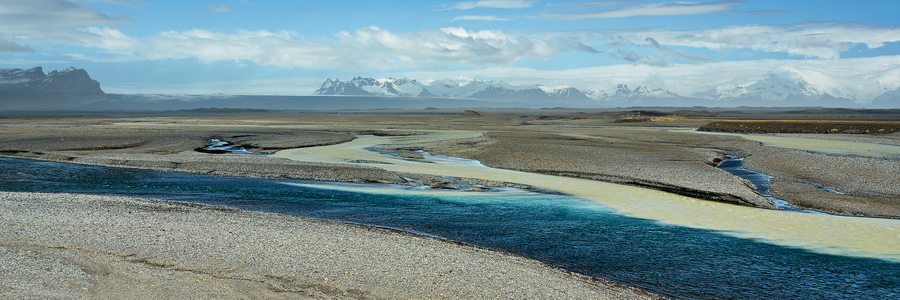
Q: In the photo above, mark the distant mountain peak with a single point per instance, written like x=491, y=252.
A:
x=781, y=86
x=32, y=89
x=461, y=87
x=8, y=76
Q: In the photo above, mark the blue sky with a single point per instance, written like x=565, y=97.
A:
x=290, y=47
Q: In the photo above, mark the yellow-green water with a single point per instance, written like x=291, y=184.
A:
x=825, y=146
x=863, y=237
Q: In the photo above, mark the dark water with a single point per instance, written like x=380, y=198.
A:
x=573, y=233
x=735, y=166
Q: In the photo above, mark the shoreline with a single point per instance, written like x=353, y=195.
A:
x=735, y=220
x=90, y=252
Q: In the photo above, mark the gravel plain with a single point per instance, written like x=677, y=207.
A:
x=82, y=246
x=68, y=246
x=561, y=142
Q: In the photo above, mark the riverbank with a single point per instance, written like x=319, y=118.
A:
x=103, y=247
x=558, y=142
x=167, y=144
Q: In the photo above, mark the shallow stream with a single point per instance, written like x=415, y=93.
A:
x=824, y=146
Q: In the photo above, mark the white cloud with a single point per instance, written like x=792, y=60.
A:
x=26, y=23
x=49, y=22
x=449, y=46
x=653, y=9
x=682, y=54
x=7, y=46
x=364, y=49
x=635, y=58
x=812, y=39
x=111, y=39
x=492, y=4
x=857, y=78
x=821, y=40
x=479, y=18
x=376, y=48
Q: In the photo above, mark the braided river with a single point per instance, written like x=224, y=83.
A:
x=669, y=244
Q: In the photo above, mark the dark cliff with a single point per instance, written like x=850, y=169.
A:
x=59, y=90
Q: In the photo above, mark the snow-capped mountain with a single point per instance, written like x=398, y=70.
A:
x=623, y=94
x=786, y=86
x=32, y=89
x=360, y=86
x=12, y=76
x=465, y=88
x=452, y=88
x=780, y=86
x=890, y=99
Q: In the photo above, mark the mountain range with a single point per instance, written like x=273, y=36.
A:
x=72, y=88
x=453, y=88
x=781, y=87
x=31, y=89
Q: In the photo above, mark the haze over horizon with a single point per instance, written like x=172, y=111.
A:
x=843, y=48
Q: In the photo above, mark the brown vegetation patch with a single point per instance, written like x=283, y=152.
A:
x=388, y=132
x=471, y=113
x=101, y=147
x=632, y=120
x=803, y=126
x=643, y=116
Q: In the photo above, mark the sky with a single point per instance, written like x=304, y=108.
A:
x=290, y=47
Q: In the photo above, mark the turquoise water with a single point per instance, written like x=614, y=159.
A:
x=572, y=233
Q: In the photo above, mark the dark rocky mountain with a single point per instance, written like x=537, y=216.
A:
x=31, y=89
x=337, y=87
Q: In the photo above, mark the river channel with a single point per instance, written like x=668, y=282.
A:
x=668, y=244
x=863, y=237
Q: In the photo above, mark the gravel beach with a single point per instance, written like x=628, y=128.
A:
x=67, y=246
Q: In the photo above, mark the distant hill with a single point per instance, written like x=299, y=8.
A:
x=31, y=89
